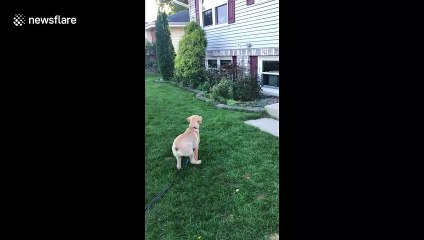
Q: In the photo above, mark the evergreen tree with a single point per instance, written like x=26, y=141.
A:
x=164, y=49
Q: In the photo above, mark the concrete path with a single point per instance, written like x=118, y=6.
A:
x=268, y=125
x=273, y=110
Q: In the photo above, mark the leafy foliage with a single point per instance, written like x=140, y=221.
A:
x=231, y=102
x=231, y=82
x=164, y=48
x=151, y=66
x=245, y=88
x=190, y=60
x=150, y=48
x=173, y=8
x=212, y=77
x=222, y=91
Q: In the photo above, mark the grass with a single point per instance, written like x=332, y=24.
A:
x=204, y=203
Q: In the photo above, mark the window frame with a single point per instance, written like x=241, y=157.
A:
x=260, y=66
x=225, y=59
x=207, y=62
x=216, y=16
x=215, y=5
x=218, y=61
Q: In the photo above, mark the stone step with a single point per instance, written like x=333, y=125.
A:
x=273, y=110
x=268, y=125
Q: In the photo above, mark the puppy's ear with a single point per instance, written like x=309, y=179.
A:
x=189, y=119
x=200, y=119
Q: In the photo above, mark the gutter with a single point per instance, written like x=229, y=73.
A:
x=170, y=24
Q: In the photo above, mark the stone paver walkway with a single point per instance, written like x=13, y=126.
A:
x=268, y=125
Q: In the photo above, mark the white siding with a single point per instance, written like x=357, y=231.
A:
x=192, y=10
x=256, y=24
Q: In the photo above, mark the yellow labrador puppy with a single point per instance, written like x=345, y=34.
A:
x=187, y=144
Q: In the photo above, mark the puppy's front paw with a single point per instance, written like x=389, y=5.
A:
x=199, y=162
x=178, y=167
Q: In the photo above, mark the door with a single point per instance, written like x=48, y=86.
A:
x=254, y=66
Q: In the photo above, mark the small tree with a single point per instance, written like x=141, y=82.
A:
x=164, y=50
x=190, y=60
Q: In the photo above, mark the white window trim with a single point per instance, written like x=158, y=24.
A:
x=260, y=64
x=224, y=58
x=213, y=16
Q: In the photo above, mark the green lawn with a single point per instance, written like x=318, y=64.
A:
x=204, y=203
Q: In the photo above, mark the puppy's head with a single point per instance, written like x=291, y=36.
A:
x=195, y=121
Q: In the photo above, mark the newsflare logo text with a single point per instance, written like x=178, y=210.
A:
x=19, y=20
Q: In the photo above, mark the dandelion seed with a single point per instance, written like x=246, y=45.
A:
x=237, y=190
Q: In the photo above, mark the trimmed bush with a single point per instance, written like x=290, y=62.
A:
x=205, y=87
x=190, y=60
x=164, y=48
x=222, y=91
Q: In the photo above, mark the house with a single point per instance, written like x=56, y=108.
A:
x=176, y=24
x=245, y=32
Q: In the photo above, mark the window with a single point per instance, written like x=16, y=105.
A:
x=225, y=62
x=221, y=14
x=214, y=12
x=207, y=18
x=271, y=73
x=212, y=63
x=218, y=62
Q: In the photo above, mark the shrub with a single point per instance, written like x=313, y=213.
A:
x=245, y=88
x=164, y=48
x=190, y=60
x=231, y=102
x=213, y=76
x=232, y=82
x=232, y=71
x=151, y=66
x=206, y=87
x=222, y=91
